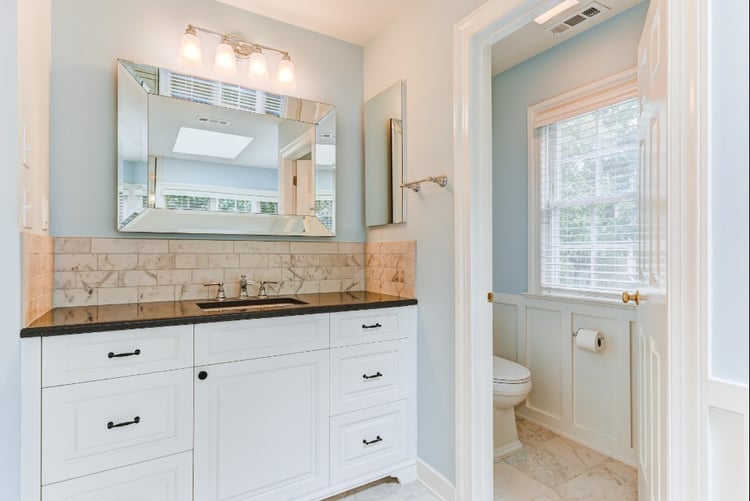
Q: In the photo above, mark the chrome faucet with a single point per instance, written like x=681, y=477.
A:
x=262, y=289
x=220, y=295
x=243, y=287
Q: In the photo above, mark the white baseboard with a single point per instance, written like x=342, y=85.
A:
x=434, y=481
x=508, y=449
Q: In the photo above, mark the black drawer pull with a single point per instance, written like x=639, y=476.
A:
x=374, y=376
x=377, y=439
x=118, y=355
x=135, y=420
x=373, y=326
x=202, y=375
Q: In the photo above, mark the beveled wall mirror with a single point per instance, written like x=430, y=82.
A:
x=384, y=156
x=202, y=156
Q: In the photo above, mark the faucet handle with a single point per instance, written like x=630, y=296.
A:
x=262, y=288
x=220, y=295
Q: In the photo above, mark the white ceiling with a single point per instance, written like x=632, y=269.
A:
x=359, y=21
x=533, y=39
x=354, y=21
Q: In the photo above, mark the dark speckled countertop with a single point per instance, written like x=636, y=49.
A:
x=82, y=319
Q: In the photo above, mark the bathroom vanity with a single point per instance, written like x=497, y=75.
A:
x=272, y=403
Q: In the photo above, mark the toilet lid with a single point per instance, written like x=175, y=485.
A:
x=505, y=371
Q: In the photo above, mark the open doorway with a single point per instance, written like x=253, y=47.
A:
x=660, y=49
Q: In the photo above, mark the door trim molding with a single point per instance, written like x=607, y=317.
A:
x=472, y=147
x=473, y=38
x=687, y=291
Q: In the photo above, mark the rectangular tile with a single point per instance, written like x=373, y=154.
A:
x=201, y=246
x=72, y=245
x=313, y=247
x=260, y=247
x=117, y=261
x=223, y=260
x=114, y=246
x=190, y=261
x=351, y=248
x=156, y=293
x=117, y=295
x=156, y=261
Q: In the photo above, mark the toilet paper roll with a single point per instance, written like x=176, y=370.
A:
x=589, y=340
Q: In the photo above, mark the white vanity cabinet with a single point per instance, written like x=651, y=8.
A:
x=297, y=407
x=115, y=415
x=373, y=393
x=261, y=425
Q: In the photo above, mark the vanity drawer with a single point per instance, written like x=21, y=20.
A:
x=96, y=426
x=164, y=479
x=366, y=440
x=369, y=374
x=101, y=355
x=366, y=326
x=245, y=339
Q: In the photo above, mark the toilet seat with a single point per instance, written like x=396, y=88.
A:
x=506, y=372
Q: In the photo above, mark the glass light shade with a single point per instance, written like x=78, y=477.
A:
x=285, y=71
x=190, y=48
x=257, y=66
x=225, y=60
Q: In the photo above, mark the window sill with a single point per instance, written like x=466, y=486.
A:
x=612, y=302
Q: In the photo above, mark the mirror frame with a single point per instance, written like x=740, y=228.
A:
x=152, y=219
x=385, y=156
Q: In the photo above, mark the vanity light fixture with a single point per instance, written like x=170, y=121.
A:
x=231, y=49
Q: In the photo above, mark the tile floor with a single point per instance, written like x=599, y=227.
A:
x=548, y=467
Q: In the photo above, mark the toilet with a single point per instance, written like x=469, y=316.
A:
x=511, y=385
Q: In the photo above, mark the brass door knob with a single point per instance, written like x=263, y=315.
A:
x=636, y=298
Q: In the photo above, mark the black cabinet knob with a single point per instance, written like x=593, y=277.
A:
x=202, y=375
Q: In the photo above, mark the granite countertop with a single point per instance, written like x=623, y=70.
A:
x=82, y=319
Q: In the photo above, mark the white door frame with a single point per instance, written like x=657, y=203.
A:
x=473, y=38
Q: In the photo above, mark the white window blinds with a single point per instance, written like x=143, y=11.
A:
x=216, y=93
x=588, y=219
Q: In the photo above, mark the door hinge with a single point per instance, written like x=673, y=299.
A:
x=490, y=297
x=294, y=180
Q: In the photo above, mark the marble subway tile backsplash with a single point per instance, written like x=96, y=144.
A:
x=390, y=267
x=37, y=275
x=89, y=271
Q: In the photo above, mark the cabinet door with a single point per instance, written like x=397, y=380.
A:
x=261, y=428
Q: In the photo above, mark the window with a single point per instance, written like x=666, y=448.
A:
x=584, y=152
x=227, y=95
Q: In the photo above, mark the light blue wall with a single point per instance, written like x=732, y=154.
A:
x=10, y=260
x=602, y=51
x=87, y=37
x=729, y=196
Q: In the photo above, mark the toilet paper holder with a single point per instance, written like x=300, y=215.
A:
x=593, y=340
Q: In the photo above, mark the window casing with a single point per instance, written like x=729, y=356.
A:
x=583, y=190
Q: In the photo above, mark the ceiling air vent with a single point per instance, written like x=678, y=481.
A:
x=575, y=20
x=591, y=11
x=584, y=14
x=214, y=121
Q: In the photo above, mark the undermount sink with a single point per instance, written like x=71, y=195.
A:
x=250, y=303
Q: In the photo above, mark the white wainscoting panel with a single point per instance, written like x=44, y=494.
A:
x=505, y=319
x=543, y=350
x=601, y=381
x=578, y=394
